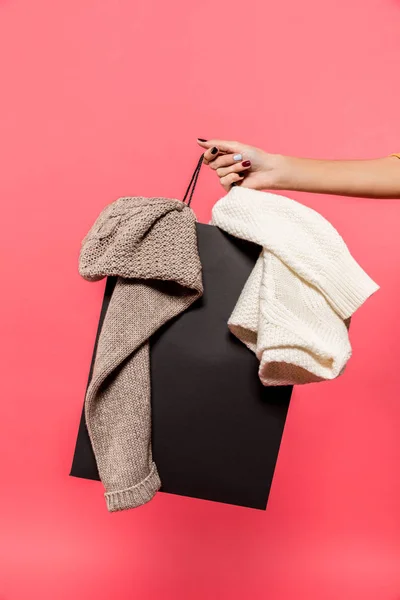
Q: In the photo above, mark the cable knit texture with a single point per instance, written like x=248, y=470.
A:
x=294, y=309
x=150, y=244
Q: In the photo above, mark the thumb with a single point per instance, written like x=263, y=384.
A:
x=222, y=145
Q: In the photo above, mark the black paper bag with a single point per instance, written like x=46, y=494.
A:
x=216, y=430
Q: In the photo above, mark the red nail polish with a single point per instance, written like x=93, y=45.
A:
x=246, y=163
x=214, y=150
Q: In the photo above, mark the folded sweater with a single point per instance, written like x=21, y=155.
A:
x=150, y=244
x=304, y=287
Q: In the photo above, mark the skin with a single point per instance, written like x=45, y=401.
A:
x=378, y=178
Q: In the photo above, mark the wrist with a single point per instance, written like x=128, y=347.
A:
x=298, y=174
x=279, y=172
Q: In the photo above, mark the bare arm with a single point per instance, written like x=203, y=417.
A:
x=251, y=167
x=378, y=178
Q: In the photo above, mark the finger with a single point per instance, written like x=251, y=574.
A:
x=237, y=168
x=226, y=160
x=222, y=145
x=229, y=180
x=211, y=154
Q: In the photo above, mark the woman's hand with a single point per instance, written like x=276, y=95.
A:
x=243, y=165
x=250, y=167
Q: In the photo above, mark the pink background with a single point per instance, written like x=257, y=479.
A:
x=105, y=98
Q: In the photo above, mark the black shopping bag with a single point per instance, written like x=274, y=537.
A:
x=216, y=431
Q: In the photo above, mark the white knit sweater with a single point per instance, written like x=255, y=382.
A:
x=304, y=286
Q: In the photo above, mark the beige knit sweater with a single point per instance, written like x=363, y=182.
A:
x=151, y=245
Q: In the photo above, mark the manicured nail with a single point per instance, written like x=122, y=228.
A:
x=201, y=140
x=242, y=174
x=237, y=157
x=246, y=163
x=214, y=150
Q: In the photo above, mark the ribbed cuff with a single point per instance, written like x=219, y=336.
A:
x=134, y=496
x=346, y=285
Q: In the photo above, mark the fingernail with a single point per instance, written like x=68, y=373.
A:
x=234, y=183
x=237, y=157
x=201, y=140
x=246, y=163
x=242, y=174
x=214, y=150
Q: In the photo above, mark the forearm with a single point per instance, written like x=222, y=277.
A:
x=378, y=178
